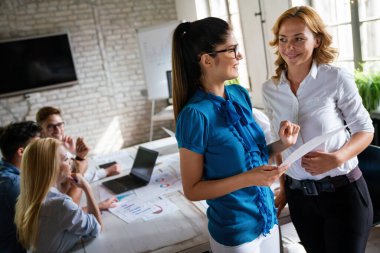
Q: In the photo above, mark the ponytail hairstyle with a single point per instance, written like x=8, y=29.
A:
x=190, y=41
x=39, y=172
x=322, y=55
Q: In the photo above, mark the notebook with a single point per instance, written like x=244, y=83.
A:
x=140, y=174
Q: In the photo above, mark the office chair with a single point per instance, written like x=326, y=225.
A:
x=369, y=163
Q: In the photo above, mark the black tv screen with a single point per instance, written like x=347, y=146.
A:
x=35, y=64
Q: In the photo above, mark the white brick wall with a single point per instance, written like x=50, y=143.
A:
x=108, y=65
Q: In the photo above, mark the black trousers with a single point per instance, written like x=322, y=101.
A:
x=332, y=222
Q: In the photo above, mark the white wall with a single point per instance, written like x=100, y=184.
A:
x=107, y=107
x=191, y=10
x=186, y=10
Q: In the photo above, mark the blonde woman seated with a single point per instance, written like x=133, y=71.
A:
x=47, y=220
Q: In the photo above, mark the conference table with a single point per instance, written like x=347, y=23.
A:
x=183, y=229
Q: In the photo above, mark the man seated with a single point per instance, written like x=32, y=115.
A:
x=52, y=124
x=13, y=140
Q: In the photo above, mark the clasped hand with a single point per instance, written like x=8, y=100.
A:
x=266, y=175
x=318, y=162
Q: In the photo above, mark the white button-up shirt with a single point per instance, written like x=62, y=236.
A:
x=326, y=98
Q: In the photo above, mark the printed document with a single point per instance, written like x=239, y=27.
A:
x=310, y=145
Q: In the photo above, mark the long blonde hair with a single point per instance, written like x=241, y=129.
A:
x=323, y=54
x=39, y=172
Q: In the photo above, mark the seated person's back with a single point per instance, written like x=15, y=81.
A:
x=13, y=140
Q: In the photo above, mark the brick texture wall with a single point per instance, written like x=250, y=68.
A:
x=107, y=107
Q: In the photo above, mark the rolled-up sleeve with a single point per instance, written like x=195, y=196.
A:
x=192, y=130
x=351, y=106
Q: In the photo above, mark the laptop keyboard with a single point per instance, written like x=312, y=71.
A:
x=124, y=184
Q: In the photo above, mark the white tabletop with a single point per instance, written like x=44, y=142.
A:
x=184, y=230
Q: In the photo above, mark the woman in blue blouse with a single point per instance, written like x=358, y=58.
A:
x=223, y=153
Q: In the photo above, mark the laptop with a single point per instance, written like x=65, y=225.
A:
x=140, y=174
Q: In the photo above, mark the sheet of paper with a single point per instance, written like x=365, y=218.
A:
x=131, y=209
x=310, y=145
x=165, y=179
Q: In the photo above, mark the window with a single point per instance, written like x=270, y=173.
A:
x=228, y=10
x=369, y=20
x=353, y=25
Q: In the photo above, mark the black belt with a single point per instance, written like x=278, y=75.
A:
x=327, y=184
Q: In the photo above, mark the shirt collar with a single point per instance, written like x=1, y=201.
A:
x=313, y=73
x=54, y=189
x=4, y=165
x=314, y=70
x=283, y=79
x=202, y=94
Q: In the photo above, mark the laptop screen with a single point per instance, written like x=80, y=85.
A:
x=144, y=163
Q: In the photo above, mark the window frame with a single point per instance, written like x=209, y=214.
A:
x=356, y=25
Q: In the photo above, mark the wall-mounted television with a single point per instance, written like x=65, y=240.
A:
x=34, y=64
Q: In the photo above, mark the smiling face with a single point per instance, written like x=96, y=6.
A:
x=227, y=63
x=296, y=43
x=223, y=63
x=53, y=127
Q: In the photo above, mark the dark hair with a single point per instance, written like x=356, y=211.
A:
x=16, y=135
x=45, y=112
x=190, y=40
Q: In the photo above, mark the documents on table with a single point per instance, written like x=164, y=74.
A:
x=310, y=145
x=162, y=182
x=149, y=202
x=132, y=209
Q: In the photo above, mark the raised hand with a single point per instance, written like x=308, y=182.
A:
x=288, y=133
x=78, y=180
x=81, y=148
x=68, y=142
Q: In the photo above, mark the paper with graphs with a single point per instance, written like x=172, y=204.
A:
x=310, y=145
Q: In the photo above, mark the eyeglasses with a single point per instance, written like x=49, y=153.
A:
x=51, y=127
x=234, y=50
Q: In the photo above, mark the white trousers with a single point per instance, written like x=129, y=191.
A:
x=263, y=244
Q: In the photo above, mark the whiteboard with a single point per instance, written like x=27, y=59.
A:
x=155, y=45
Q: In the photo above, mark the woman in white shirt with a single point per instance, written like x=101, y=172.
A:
x=327, y=196
x=47, y=220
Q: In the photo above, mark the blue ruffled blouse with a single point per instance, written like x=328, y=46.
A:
x=226, y=134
